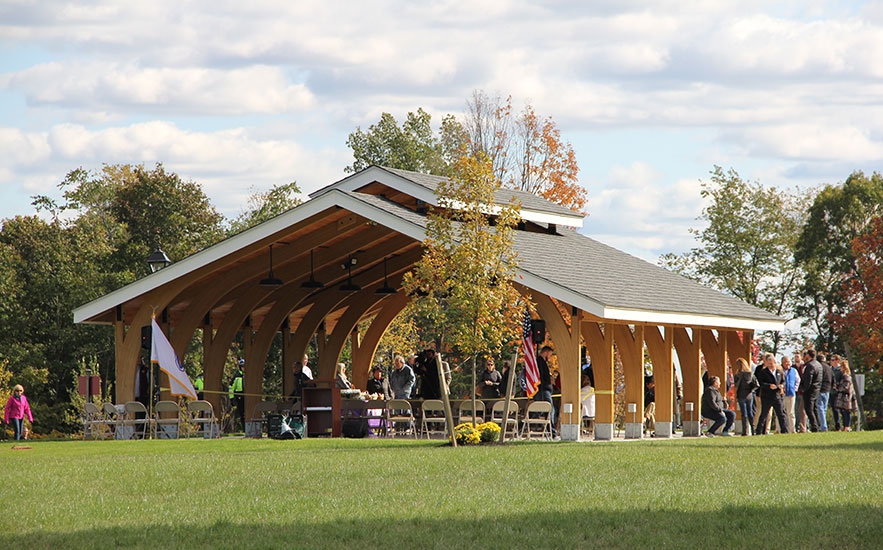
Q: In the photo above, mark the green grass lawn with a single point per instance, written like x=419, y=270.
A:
x=794, y=491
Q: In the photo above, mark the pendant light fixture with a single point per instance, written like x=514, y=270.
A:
x=271, y=280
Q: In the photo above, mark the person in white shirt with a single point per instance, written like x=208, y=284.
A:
x=306, y=368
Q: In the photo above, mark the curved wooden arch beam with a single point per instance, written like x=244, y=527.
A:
x=567, y=349
x=364, y=353
x=250, y=298
x=357, y=306
x=599, y=342
x=630, y=343
x=357, y=309
x=127, y=341
x=324, y=304
x=206, y=297
x=689, y=350
x=714, y=348
x=739, y=346
x=659, y=347
x=263, y=338
x=292, y=300
x=216, y=356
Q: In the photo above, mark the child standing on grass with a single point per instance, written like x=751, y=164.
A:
x=16, y=409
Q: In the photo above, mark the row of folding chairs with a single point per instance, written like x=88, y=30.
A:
x=132, y=420
x=536, y=421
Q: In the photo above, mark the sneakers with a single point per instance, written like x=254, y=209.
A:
x=709, y=434
x=726, y=434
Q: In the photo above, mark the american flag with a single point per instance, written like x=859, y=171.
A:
x=531, y=372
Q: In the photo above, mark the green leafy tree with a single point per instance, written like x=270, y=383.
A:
x=265, y=205
x=97, y=240
x=746, y=247
x=525, y=151
x=413, y=146
x=838, y=215
x=52, y=267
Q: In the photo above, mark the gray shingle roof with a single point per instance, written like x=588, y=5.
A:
x=602, y=274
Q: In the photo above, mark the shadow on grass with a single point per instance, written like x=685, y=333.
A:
x=786, y=442
x=805, y=527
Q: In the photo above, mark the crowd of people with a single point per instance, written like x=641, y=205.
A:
x=796, y=392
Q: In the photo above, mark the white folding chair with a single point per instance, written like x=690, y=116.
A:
x=467, y=414
x=112, y=418
x=202, y=414
x=433, y=421
x=168, y=426
x=537, y=420
x=507, y=422
x=400, y=418
x=93, y=422
x=137, y=417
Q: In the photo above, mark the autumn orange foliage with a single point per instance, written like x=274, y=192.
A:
x=861, y=322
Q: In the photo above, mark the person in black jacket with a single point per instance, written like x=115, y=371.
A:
x=810, y=384
x=713, y=408
x=746, y=385
x=772, y=388
x=378, y=385
x=545, y=390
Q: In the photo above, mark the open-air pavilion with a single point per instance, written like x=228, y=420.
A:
x=285, y=276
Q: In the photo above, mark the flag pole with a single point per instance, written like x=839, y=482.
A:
x=512, y=370
x=150, y=396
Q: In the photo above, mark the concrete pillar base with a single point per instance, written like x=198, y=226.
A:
x=570, y=432
x=663, y=429
x=603, y=432
x=692, y=428
x=634, y=430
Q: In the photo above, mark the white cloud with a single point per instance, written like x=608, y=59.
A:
x=227, y=163
x=642, y=213
x=195, y=91
x=263, y=92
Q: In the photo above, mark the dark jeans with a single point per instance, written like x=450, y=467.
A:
x=775, y=403
x=719, y=419
x=842, y=414
x=746, y=406
x=810, y=405
x=18, y=425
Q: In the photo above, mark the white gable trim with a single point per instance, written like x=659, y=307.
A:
x=247, y=238
x=404, y=185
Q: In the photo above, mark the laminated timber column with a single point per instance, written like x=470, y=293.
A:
x=714, y=349
x=689, y=356
x=287, y=363
x=211, y=377
x=599, y=342
x=363, y=355
x=359, y=378
x=739, y=344
x=630, y=344
x=570, y=372
x=567, y=350
x=253, y=382
x=659, y=346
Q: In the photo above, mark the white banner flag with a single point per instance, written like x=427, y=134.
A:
x=161, y=353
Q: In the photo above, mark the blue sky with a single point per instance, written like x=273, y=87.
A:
x=240, y=97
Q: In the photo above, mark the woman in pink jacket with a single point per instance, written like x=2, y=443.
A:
x=16, y=409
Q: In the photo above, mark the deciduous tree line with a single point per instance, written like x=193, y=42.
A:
x=812, y=255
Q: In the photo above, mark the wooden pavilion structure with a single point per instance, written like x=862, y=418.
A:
x=362, y=234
